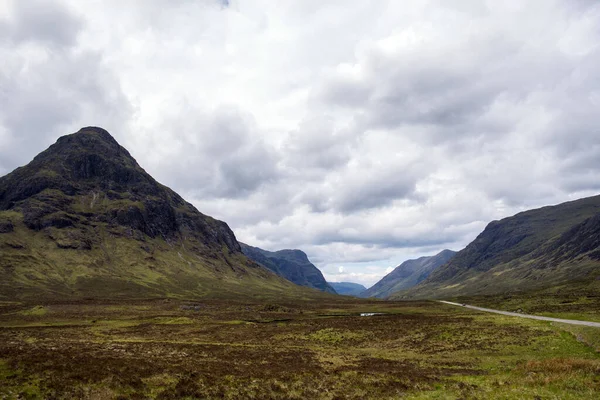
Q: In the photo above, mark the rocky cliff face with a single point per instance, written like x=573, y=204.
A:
x=293, y=265
x=88, y=178
x=83, y=215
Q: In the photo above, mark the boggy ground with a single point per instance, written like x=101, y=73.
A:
x=167, y=349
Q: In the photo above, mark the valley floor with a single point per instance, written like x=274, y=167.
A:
x=522, y=315
x=168, y=349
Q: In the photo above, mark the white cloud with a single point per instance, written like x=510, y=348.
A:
x=362, y=133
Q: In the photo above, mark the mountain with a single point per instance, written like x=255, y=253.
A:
x=408, y=274
x=348, y=288
x=293, y=265
x=84, y=220
x=536, y=249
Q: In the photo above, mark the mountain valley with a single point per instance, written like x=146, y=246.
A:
x=348, y=288
x=84, y=220
x=408, y=274
x=553, y=246
x=112, y=286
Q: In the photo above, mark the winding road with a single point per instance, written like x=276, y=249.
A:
x=513, y=314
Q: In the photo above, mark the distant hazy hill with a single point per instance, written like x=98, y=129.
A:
x=83, y=220
x=348, y=288
x=535, y=249
x=293, y=265
x=408, y=274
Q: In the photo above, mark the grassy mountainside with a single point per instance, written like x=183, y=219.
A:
x=348, y=288
x=408, y=274
x=536, y=249
x=293, y=265
x=83, y=219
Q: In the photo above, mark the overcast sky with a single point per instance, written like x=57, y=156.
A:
x=362, y=132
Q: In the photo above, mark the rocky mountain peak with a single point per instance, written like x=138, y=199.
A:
x=84, y=220
x=88, y=176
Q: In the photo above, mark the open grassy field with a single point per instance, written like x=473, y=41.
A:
x=167, y=349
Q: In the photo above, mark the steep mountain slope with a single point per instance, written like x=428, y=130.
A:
x=408, y=274
x=293, y=265
x=83, y=219
x=534, y=249
x=348, y=288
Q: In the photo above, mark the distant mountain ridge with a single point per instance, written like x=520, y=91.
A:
x=348, y=288
x=535, y=249
x=84, y=220
x=292, y=265
x=408, y=274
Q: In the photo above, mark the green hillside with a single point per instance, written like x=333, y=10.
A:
x=536, y=249
x=84, y=220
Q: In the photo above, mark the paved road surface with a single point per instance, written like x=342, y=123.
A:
x=512, y=314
